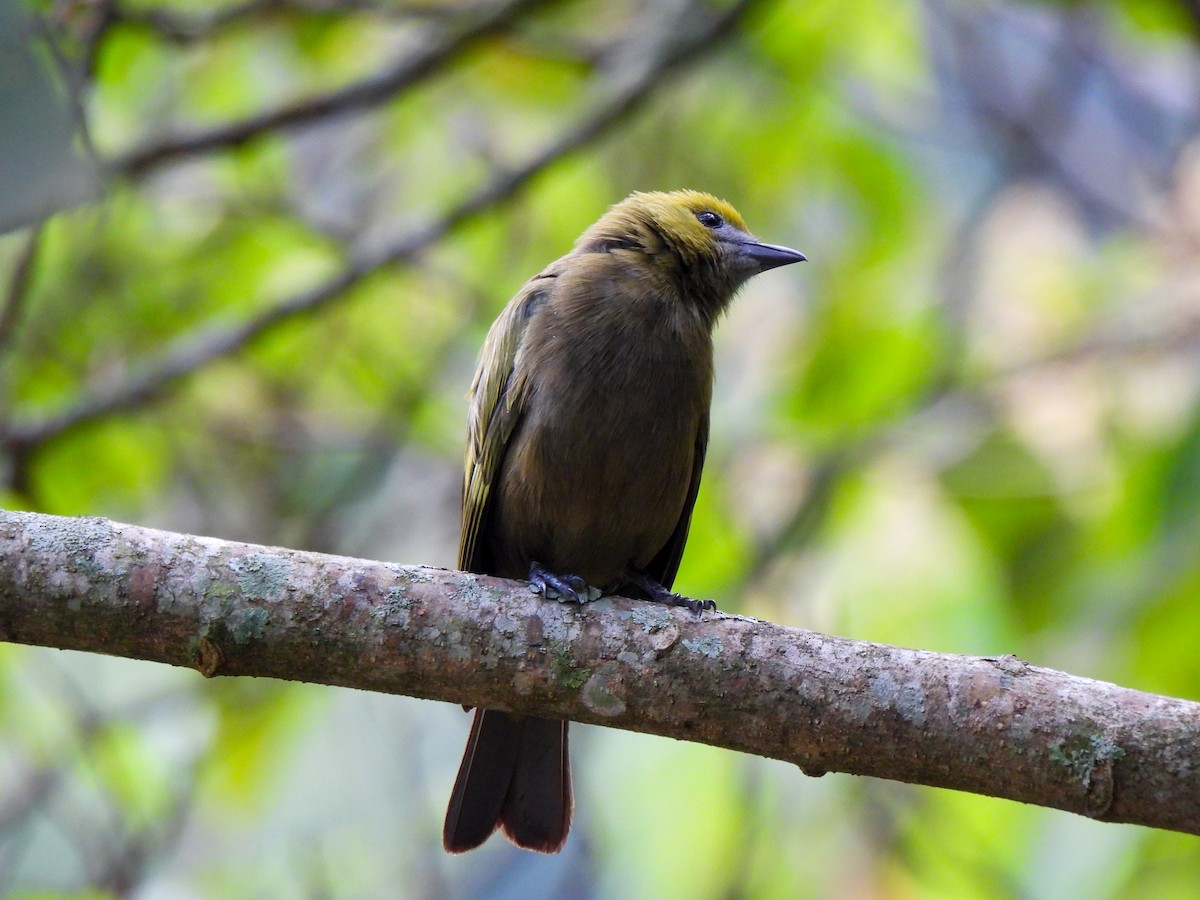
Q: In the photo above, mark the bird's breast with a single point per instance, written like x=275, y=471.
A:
x=597, y=474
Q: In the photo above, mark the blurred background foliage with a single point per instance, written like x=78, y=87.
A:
x=971, y=423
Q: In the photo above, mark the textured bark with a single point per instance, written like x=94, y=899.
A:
x=994, y=726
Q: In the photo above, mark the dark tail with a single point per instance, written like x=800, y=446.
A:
x=515, y=775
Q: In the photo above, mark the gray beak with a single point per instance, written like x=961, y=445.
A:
x=771, y=256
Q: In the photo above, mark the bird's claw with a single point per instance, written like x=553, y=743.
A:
x=696, y=606
x=659, y=594
x=563, y=588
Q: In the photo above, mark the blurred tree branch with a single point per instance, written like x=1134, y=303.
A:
x=116, y=852
x=621, y=91
x=1038, y=126
x=1192, y=8
x=182, y=27
x=18, y=284
x=994, y=726
x=443, y=45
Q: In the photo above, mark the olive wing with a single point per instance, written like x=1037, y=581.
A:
x=496, y=401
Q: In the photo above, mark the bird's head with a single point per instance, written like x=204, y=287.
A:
x=695, y=238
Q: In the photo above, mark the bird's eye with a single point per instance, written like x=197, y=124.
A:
x=709, y=219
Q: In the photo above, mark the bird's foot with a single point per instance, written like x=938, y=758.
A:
x=563, y=588
x=670, y=598
x=659, y=594
x=696, y=606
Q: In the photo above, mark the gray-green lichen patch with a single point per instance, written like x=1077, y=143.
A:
x=598, y=693
x=649, y=616
x=1082, y=756
x=472, y=592
x=261, y=576
x=453, y=641
x=84, y=547
x=502, y=624
x=708, y=645
x=248, y=624
x=395, y=609
x=556, y=625
x=460, y=654
x=566, y=673
x=75, y=537
x=906, y=699
x=414, y=574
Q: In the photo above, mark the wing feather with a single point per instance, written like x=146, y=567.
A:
x=496, y=401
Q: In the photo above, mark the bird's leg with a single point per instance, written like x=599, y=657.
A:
x=660, y=594
x=563, y=588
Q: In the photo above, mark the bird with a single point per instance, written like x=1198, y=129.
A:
x=587, y=430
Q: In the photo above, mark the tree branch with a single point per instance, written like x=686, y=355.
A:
x=1192, y=8
x=187, y=27
x=442, y=45
x=994, y=726
x=18, y=284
